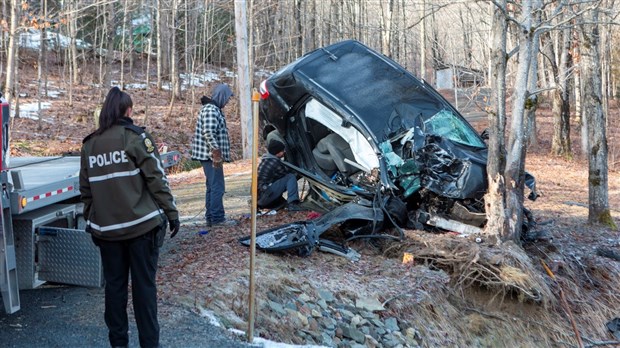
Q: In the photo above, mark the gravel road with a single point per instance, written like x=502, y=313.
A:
x=65, y=316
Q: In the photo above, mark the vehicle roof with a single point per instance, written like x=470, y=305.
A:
x=361, y=84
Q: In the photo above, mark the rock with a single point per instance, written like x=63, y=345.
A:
x=353, y=333
x=339, y=332
x=327, y=340
x=389, y=341
x=291, y=305
x=295, y=318
x=313, y=324
x=305, y=310
x=303, y=297
x=316, y=313
x=276, y=307
x=381, y=331
x=347, y=315
x=377, y=322
x=365, y=330
x=400, y=337
x=273, y=297
x=356, y=320
x=328, y=323
x=368, y=315
x=411, y=334
x=369, y=304
x=303, y=319
x=322, y=304
x=326, y=295
x=292, y=289
x=391, y=324
x=371, y=342
x=357, y=345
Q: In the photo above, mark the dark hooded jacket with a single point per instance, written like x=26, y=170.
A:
x=122, y=168
x=211, y=131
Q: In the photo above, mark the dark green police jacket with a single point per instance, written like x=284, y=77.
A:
x=122, y=183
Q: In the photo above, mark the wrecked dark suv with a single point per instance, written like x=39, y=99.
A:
x=377, y=146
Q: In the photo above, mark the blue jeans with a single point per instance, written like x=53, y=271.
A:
x=274, y=191
x=214, y=203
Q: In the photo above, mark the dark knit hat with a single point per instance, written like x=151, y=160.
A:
x=275, y=147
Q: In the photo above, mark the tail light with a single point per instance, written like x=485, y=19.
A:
x=264, y=93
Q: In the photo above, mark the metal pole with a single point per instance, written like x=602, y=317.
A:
x=255, y=99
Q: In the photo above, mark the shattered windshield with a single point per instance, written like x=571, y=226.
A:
x=448, y=125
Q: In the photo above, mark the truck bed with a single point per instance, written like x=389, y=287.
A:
x=37, y=171
x=41, y=181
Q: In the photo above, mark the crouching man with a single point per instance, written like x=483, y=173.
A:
x=274, y=179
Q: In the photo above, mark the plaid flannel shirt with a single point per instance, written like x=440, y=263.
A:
x=211, y=133
x=270, y=169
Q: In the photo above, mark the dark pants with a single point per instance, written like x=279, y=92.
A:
x=214, y=197
x=137, y=256
x=274, y=191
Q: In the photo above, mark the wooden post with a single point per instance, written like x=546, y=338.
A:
x=251, y=310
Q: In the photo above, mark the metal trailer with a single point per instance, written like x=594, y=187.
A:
x=42, y=231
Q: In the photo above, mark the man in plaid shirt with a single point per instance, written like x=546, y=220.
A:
x=211, y=146
x=274, y=178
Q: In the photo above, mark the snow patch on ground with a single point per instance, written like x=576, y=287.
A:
x=258, y=341
x=30, y=110
x=261, y=342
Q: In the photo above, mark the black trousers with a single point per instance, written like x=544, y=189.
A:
x=138, y=257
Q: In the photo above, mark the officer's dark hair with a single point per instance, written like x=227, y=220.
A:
x=114, y=107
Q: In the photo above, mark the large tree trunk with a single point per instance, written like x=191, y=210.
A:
x=495, y=201
x=76, y=76
x=531, y=132
x=300, y=33
x=515, y=159
x=40, y=68
x=245, y=98
x=111, y=30
x=423, y=41
x=598, y=200
x=160, y=44
x=560, y=144
x=124, y=40
x=175, y=80
x=9, y=86
x=386, y=27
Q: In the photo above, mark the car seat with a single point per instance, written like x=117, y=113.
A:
x=330, y=153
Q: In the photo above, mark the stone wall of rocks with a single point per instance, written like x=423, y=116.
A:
x=321, y=318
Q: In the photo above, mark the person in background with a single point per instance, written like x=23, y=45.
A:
x=211, y=146
x=127, y=206
x=274, y=178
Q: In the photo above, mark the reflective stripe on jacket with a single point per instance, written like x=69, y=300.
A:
x=122, y=183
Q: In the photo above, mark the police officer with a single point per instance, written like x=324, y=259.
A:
x=127, y=206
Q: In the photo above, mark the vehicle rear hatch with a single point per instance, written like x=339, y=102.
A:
x=361, y=85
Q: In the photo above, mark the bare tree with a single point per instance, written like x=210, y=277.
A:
x=40, y=65
x=109, y=56
x=532, y=104
x=598, y=199
x=9, y=86
x=560, y=144
x=495, y=200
